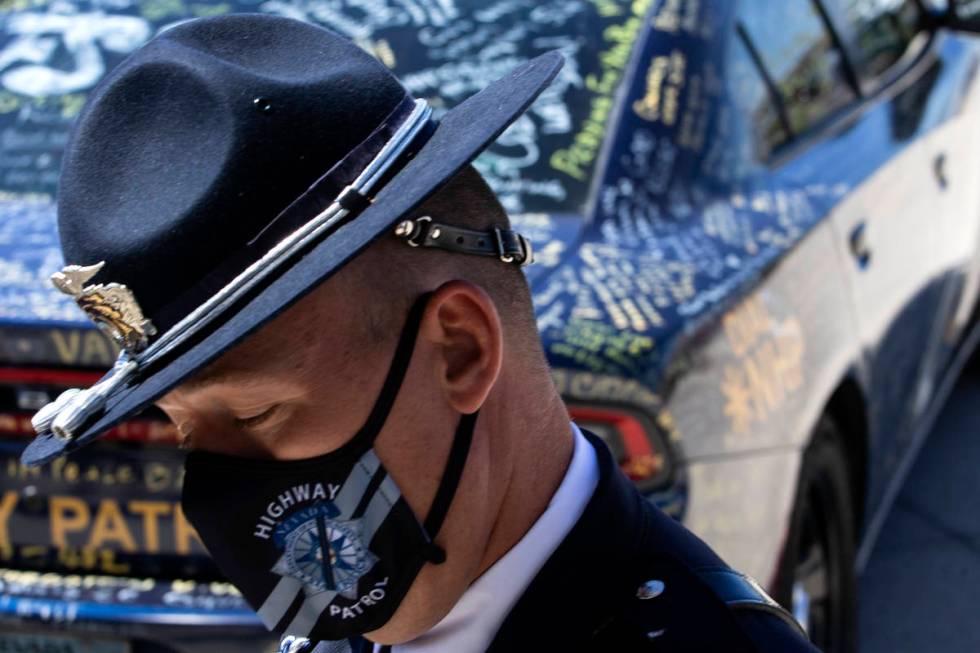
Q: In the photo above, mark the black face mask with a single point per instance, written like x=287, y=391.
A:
x=326, y=547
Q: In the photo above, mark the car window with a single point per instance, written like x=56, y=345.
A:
x=878, y=32
x=965, y=8
x=795, y=49
x=935, y=6
x=762, y=129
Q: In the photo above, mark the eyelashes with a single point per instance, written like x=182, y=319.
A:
x=258, y=419
x=186, y=430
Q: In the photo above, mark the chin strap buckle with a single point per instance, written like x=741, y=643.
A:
x=506, y=245
x=413, y=231
x=523, y=258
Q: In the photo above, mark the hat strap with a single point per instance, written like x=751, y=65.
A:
x=503, y=244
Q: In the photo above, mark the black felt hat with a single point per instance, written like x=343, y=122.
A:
x=224, y=170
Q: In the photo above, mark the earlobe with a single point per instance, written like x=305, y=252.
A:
x=462, y=322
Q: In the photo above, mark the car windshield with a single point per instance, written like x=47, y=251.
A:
x=53, y=53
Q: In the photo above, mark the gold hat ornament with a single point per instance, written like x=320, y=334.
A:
x=111, y=306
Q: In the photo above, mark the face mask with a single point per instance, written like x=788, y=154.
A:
x=326, y=547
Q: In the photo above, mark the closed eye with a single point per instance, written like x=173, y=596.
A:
x=258, y=419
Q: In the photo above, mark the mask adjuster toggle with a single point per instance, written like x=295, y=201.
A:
x=434, y=553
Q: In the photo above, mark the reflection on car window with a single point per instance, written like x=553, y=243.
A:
x=967, y=9
x=797, y=52
x=748, y=92
x=879, y=31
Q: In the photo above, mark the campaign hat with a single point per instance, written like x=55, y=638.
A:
x=224, y=170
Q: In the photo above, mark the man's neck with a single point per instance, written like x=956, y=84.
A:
x=541, y=450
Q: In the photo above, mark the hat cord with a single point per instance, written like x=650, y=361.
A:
x=70, y=412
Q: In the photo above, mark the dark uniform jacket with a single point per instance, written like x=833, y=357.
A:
x=629, y=578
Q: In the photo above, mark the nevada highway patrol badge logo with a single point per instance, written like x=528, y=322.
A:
x=111, y=306
x=325, y=554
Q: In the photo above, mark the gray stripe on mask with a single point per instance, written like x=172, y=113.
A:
x=279, y=600
x=381, y=504
x=356, y=483
x=309, y=612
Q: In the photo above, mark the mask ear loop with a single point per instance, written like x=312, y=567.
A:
x=451, y=475
x=458, y=453
x=396, y=373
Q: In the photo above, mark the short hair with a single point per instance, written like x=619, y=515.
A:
x=397, y=273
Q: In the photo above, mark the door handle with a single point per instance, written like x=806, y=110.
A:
x=939, y=170
x=859, y=245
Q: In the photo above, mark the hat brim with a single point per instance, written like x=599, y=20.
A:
x=460, y=136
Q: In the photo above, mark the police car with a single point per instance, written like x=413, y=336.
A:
x=757, y=229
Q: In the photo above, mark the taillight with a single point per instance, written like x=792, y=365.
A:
x=633, y=439
x=24, y=390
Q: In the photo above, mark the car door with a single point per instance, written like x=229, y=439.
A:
x=958, y=169
x=893, y=225
x=845, y=136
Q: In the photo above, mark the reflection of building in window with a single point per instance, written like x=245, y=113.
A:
x=967, y=9
x=877, y=31
x=801, y=64
x=747, y=90
x=812, y=89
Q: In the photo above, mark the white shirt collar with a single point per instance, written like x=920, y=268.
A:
x=474, y=621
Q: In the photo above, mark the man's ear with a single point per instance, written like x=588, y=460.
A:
x=462, y=322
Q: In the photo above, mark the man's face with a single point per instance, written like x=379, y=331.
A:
x=289, y=391
x=305, y=384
